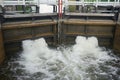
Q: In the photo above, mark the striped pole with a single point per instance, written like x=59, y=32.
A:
x=60, y=9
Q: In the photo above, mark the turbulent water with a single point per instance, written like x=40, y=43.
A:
x=83, y=61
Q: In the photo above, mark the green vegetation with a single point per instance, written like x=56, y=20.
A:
x=98, y=0
x=29, y=0
x=27, y=8
x=72, y=8
x=103, y=0
x=89, y=0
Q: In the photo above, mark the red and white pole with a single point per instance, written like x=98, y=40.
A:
x=60, y=9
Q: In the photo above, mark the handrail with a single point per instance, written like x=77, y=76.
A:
x=65, y=2
x=30, y=2
x=95, y=3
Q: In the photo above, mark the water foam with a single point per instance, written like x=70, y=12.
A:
x=83, y=61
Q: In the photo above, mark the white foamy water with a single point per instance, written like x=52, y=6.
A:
x=83, y=61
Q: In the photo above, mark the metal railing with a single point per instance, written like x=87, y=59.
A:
x=95, y=3
x=27, y=2
x=65, y=2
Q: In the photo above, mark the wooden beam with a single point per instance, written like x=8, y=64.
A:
x=17, y=26
x=94, y=22
x=24, y=37
x=29, y=15
x=91, y=14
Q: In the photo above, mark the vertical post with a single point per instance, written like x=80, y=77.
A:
x=60, y=9
x=54, y=8
x=2, y=10
x=23, y=8
x=97, y=1
x=2, y=3
x=23, y=2
x=59, y=20
x=77, y=6
x=2, y=52
x=116, y=45
x=115, y=2
x=38, y=6
x=37, y=9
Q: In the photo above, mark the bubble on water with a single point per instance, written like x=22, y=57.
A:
x=83, y=61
